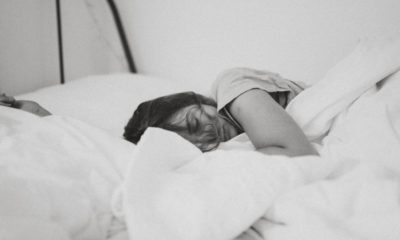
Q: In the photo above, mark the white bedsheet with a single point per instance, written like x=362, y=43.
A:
x=361, y=199
x=61, y=178
x=103, y=101
x=351, y=191
x=57, y=176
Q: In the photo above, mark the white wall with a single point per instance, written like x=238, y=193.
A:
x=193, y=40
x=28, y=43
x=187, y=40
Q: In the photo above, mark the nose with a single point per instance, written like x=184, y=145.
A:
x=206, y=147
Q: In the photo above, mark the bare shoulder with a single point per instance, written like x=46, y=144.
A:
x=268, y=125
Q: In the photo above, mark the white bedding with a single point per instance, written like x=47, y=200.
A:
x=57, y=176
x=75, y=178
x=104, y=101
x=352, y=191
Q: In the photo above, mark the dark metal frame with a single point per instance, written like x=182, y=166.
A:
x=60, y=42
x=121, y=34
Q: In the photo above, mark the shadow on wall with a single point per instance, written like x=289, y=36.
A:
x=28, y=43
x=186, y=40
x=193, y=41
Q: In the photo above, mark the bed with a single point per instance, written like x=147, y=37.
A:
x=72, y=176
x=65, y=167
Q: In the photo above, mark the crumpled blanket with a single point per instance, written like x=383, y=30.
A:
x=351, y=191
x=56, y=178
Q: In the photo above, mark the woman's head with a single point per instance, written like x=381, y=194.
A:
x=191, y=115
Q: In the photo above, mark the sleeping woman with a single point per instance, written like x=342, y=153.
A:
x=243, y=100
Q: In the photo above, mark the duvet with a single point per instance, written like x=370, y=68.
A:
x=61, y=178
x=351, y=191
x=56, y=178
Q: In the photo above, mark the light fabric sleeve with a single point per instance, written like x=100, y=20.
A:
x=233, y=82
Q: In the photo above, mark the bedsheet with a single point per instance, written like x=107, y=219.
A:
x=61, y=178
x=104, y=101
x=350, y=191
x=57, y=176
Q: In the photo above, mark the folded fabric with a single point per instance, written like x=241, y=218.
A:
x=173, y=191
x=371, y=61
x=57, y=175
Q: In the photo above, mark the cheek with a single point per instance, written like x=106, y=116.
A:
x=210, y=110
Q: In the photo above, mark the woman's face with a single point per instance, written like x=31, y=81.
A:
x=203, y=126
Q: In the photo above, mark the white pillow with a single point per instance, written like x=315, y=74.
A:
x=105, y=101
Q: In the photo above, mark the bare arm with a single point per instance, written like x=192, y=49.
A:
x=28, y=106
x=268, y=126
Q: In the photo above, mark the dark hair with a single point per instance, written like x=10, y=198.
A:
x=156, y=112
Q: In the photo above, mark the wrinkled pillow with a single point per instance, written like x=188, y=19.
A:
x=104, y=101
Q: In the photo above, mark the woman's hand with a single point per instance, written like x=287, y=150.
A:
x=6, y=100
x=269, y=126
x=32, y=107
x=28, y=106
